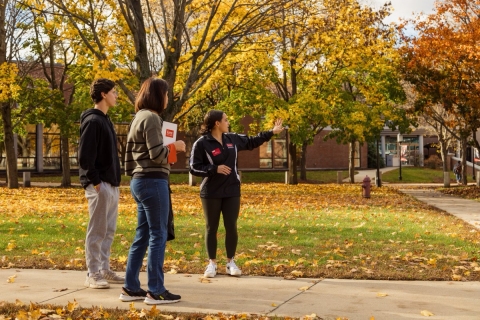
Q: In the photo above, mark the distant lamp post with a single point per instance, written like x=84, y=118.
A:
x=400, y=140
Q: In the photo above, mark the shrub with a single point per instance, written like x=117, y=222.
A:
x=433, y=162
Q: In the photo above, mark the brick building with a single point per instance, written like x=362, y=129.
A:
x=44, y=148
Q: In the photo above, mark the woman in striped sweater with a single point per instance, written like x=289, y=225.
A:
x=147, y=161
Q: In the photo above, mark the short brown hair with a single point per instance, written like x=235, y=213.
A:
x=152, y=95
x=100, y=86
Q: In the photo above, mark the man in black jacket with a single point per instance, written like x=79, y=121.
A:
x=100, y=177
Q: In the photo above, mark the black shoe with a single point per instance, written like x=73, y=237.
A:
x=163, y=298
x=129, y=295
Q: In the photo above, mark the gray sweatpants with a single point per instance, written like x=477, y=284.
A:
x=103, y=210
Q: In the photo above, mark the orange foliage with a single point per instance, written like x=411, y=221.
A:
x=443, y=61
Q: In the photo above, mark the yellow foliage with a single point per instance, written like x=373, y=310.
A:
x=9, y=89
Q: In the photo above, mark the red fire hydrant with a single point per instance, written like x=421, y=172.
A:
x=366, y=187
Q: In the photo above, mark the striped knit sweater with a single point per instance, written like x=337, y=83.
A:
x=146, y=152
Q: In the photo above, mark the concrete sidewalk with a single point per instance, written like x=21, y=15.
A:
x=266, y=296
x=465, y=209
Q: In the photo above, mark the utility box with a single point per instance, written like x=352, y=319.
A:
x=389, y=160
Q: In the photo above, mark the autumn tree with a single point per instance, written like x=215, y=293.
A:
x=182, y=41
x=13, y=25
x=365, y=90
x=434, y=119
x=55, y=57
x=442, y=61
x=338, y=69
x=290, y=45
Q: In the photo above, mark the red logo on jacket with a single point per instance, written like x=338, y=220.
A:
x=216, y=152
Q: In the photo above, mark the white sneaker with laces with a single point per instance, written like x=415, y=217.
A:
x=232, y=269
x=211, y=271
x=96, y=281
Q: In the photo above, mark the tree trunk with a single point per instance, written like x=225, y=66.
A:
x=66, y=178
x=303, y=162
x=443, y=153
x=135, y=18
x=292, y=164
x=6, y=110
x=190, y=138
x=171, y=63
x=351, y=161
x=463, y=148
x=12, y=170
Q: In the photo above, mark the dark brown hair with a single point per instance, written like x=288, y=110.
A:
x=210, y=119
x=100, y=86
x=152, y=95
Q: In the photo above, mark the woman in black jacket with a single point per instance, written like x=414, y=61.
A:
x=214, y=157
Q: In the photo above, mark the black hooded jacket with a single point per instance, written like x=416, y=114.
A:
x=207, y=154
x=97, y=150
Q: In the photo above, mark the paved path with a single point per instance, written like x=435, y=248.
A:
x=464, y=209
x=270, y=296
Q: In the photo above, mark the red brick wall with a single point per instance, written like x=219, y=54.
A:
x=321, y=155
x=330, y=154
x=249, y=159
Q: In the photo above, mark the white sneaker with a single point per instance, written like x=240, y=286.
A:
x=112, y=277
x=211, y=271
x=96, y=281
x=232, y=269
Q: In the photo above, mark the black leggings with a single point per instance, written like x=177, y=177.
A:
x=212, y=208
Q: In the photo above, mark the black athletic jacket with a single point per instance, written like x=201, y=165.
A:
x=97, y=151
x=207, y=154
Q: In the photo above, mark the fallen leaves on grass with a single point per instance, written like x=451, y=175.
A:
x=467, y=192
x=318, y=231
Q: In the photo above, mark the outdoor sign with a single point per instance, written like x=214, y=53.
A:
x=169, y=132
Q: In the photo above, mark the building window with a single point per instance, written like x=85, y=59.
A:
x=280, y=153
x=266, y=155
x=409, y=151
x=273, y=154
x=356, y=155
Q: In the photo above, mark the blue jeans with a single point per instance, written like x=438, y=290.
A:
x=152, y=198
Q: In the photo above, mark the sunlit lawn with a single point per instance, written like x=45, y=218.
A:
x=419, y=175
x=409, y=175
x=318, y=176
x=306, y=230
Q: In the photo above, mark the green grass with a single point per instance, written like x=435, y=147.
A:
x=175, y=178
x=313, y=230
x=419, y=175
x=320, y=176
x=326, y=176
